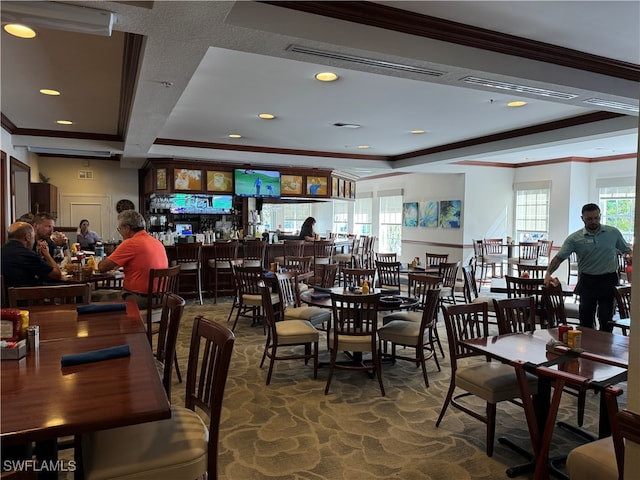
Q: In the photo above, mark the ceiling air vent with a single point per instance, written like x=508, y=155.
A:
x=518, y=88
x=364, y=61
x=608, y=103
x=70, y=152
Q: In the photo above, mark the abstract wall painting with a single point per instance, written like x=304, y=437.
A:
x=428, y=214
x=450, y=211
x=410, y=214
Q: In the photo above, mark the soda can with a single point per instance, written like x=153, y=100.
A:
x=33, y=338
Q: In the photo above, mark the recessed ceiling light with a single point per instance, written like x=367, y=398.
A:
x=64, y=122
x=21, y=31
x=518, y=103
x=235, y=135
x=326, y=76
x=417, y=132
x=48, y=91
x=267, y=116
x=363, y=147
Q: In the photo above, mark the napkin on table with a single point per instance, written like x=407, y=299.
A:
x=317, y=296
x=322, y=289
x=95, y=355
x=103, y=307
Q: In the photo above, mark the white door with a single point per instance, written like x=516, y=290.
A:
x=95, y=208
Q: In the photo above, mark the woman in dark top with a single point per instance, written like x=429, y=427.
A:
x=306, y=231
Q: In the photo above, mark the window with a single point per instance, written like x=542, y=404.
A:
x=532, y=211
x=362, y=216
x=390, y=224
x=617, y=206
x=286, y=217
x=341, y=217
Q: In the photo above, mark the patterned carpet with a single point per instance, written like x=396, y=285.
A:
x=290, y=430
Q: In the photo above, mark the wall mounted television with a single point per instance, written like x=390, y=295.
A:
x=201, y=204
x=256, y=183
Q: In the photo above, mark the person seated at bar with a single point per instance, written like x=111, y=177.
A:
x=306, y=231
x=86, y=238
x=44, y=226
x=21, y=266
x=136, y=255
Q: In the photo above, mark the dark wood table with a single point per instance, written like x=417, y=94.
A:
x=604, y=360
x=63, y=321
x=325, y=301
x=499, y=285
x=42, y=401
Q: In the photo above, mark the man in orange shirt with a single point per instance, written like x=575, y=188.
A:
x=137, y=255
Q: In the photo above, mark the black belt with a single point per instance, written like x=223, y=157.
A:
x=598, y=275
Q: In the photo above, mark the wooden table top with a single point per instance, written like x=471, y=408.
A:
x=604, y=354
x=63, y=321
x=325, y=302
x=499, y=285
x=41, y=400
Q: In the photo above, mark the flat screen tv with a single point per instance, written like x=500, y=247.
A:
x=256, y=183
x=202, y=204
x=184, y=229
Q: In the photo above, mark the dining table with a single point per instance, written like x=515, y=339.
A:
x=42, y=400
x=602, y=360
x=499, y=285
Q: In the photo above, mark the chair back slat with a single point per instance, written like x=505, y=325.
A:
x=209, y=360
x=388, y=274
x=464, y=322
x=161, y=282
x=435, y=259
x=553, y=304
x=172, y=310
x=623, y=301
x=355, y=276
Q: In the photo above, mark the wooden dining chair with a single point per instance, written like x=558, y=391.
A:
x=354, y=328
x=515, y=315
x=389, y=276
x=419, y=286
x=290, y=248
x=182, y=446
x=325, y=275
x=448, y=271
x=527, y=254
x=386, y=257
x=49, y=295
x=165, y=351
x=290, y=306
x=355, y=276
x=544, y=251
x=289, y=333
x=416, y=335
x=470, y=293
x=433, y=260
x=249, y=297
x=490, y=381
x=622, y=317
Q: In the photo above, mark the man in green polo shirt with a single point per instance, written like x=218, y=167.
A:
x=596, y=247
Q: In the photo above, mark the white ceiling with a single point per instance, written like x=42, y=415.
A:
x=209, y=68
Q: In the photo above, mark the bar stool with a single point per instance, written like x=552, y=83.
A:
x=254, y=251
x=189, y=257
x=292, y=248
x=220, y=268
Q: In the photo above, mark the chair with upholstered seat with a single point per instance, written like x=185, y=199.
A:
x=220, y=272
x=623, y=308
x=433, y=260
x=448, y=271
x=417, y=335
x=249, y=297
x=289, y=333
x=515, y=315
x=389, y=276
x=189, y=257
x=491, y=381
x=348, y=259
x=471, y=291
x=325, y=275
x=355, y=276
x=290, y=306
x=354, y=328
x=290, y=248
x=572, y=268
x=544, y=251
x=180, y=447
x=323, y=251
x=253, y=253
x=49, y=295
x=419, y=286
x=527, y=254
x=493, y=255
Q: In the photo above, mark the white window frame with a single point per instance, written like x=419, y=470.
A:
x=617, y=191
x=363, y=215
x=390, y=222
x=531, y=210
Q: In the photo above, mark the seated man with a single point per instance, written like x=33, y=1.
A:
x=44, y=226
x=137, y=255
x=21, y=266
